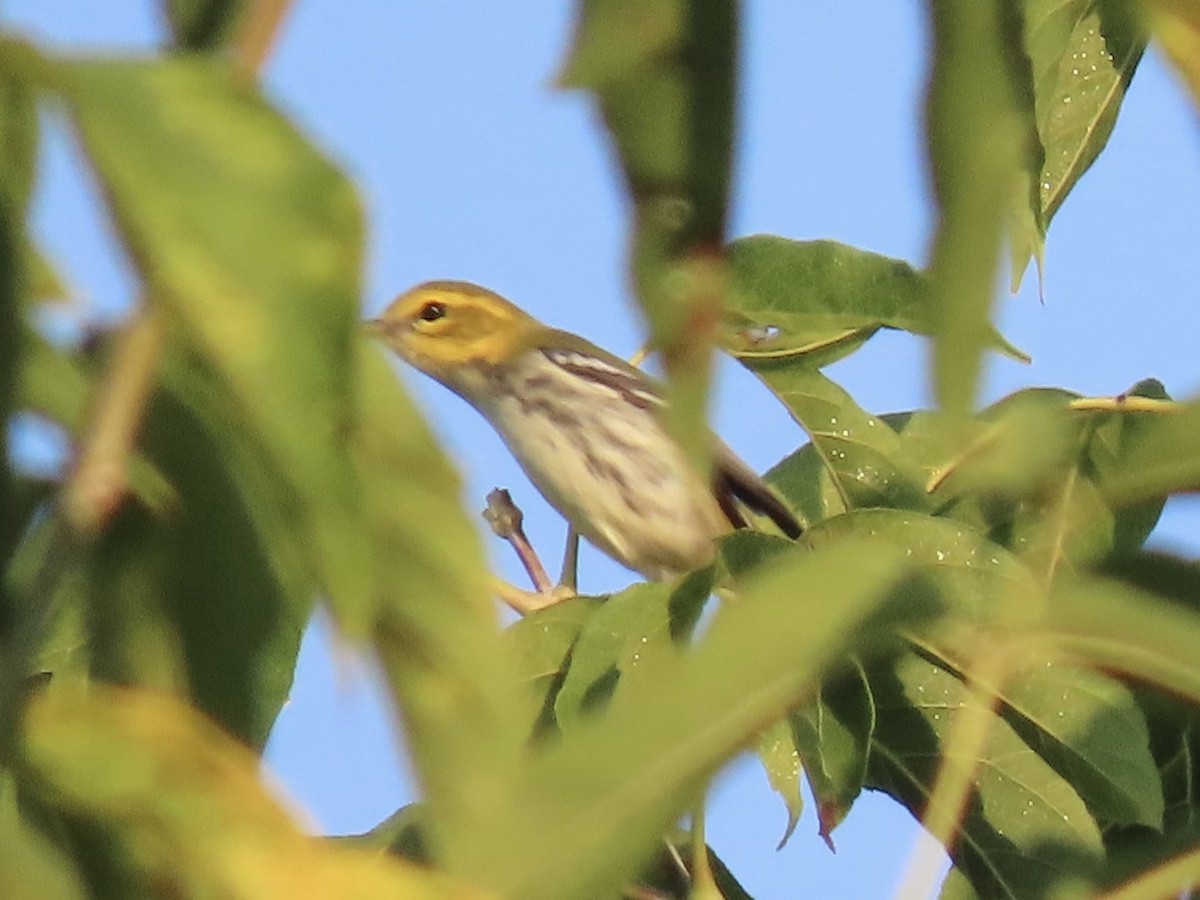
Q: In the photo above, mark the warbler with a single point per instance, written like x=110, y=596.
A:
x=583, y=424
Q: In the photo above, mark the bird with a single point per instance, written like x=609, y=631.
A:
x=584, y=425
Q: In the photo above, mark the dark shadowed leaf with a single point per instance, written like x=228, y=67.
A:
x=1089, y=727
x=202, y=24
x=1022, y=811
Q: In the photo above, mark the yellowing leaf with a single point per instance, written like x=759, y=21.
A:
x=185, y=808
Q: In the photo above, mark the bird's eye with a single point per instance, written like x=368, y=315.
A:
x=432, y=311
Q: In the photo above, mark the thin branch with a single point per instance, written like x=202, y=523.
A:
x=99, y=481
x=507, y=520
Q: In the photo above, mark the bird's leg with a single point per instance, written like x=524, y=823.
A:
x=506, y=518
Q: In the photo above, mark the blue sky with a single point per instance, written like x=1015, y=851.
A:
x=472, y=166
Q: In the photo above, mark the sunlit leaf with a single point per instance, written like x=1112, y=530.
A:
x=178, y=804
x=1176, y=25
x=1163, y=458
x=436, y=627
x=815, y=302
x=776, y=749
x=250, y=242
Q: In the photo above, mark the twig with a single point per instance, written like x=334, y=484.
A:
x=99, y=480
x=506, y=520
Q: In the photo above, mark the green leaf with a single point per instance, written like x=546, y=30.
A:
x=1023, y=813
x=978, y=121
x=1161, y=458
x=625, y=642
x=664, y=75
x=1120, y=628
x=31, y=867
x=815, y=302
x=1083, y=54
x=862, y=458
x=436, y=627
x=833, y=734
x=192, y=599
x=542, y=643
x=978, y=580
x=250, y=242
x=18, y=158
x=1090, y=729
x=165, y=803
x=776, y=749
x=758, y=656
x=203, y=24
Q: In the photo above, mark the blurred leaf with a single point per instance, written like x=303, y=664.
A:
x=1022, y=814
x=833, y=734
x=1118, y=627
x=543, y=643
x=626, y=640
x=1176, y=25
x=981, y=582
x=202, y=24
x=251, y=243
x=18, y=157
x=1082, y=54
x=815, y=302
x=31, y=867
x=978, y=123
x=1090, y=729
x=664, y=75
x=58, y=383
x=776, y=748
x=192, y=600
x=181, y=807
x=436, y=627
x=1162, y=458
x=758, y=656
x=18, y=141
x=663, y=875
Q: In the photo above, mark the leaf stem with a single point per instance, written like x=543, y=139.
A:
x=259, y=29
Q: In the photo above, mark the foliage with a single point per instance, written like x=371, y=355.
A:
x=984, y=637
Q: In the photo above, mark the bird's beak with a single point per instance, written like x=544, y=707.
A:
x=374, y=328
